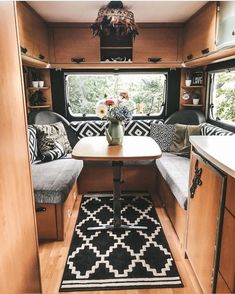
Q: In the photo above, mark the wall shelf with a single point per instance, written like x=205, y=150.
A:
x=39, y=106
x=191, y=105
x=192, y=87
x=37, y=88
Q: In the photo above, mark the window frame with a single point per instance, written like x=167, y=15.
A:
x=117, y=71
x=210, y=83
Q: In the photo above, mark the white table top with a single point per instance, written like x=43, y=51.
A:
x=133, y=148
x=220, y=150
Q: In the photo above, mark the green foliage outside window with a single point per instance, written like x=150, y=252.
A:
x=224, y=96
x=83, y=91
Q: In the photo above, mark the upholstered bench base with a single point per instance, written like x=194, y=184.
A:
x=53, y=219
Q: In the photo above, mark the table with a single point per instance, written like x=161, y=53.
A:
x=132, y=148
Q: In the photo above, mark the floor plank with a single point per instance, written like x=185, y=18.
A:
x=53, y=256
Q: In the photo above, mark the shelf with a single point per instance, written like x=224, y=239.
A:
x=39, y=106
x=192, y=87
x=115, y=47
x=191, y=105
x=37, y=88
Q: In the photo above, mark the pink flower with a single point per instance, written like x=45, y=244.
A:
x=109, y=102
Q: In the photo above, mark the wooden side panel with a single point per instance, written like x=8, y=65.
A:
x=175, y=212
x=157, y=42
x=200, y=31
x=41, y=39
x=203, y=217
x=46, y=222
x=221, y=285
x=19, y=266
x=227, y=257
x=75, y=42
x=25, y=22
x=230, y=195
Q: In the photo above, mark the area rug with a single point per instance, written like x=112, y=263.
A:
x=124, y=259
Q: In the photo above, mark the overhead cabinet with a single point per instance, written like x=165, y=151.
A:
x=226, y=25
x=200, y=33
x=33, y=33
x=157, y=42
x=73, y=42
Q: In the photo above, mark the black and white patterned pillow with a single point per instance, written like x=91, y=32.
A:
x=139, y=127
x=33, y=148
x=89, y=128
x=211, y=130
x=56, y=132
x=55, y=153
x=163, y=134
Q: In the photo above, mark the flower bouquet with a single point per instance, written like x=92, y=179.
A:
x=117, y=115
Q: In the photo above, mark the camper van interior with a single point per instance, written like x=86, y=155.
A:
x=117, y=147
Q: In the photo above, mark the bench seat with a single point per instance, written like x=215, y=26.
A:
x=52, y=181
x=175, y=171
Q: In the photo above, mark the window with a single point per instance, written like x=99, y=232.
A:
x=222, y=96
x=146, y=90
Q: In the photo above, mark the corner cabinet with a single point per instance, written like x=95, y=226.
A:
x=204, y=219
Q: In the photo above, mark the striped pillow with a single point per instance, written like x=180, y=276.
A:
x=52, y=154
x=32, y=140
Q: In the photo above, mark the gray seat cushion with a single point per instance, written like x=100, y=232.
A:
x=175, y=171
x=52, y=181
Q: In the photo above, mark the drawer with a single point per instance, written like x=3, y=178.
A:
x=68, y=206
x=46, y=221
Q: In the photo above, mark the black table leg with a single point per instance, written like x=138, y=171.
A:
x=117, y=169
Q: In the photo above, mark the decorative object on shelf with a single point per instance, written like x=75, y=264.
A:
x=154, y=59
x=186, y=96
x=188, y=79
x=41, y=84
x=37, y=98
x=78, y=59
x=114, y=19
x=197, y=78
x=117, y=114
x=36, y=79
x=196, y=98
x=190, y=56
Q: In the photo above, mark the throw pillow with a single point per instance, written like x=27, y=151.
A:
x=56, y=132
x=32, y=140
x=180, y=144
x=56, y=152
x=163, y=134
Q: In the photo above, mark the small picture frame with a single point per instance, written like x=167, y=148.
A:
x=197, y=79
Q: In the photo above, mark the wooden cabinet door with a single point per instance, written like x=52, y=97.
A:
x=74, y=42
x=25, y=20
x=41, y=40
x=227, y=256
x=203, y=221
x=157, y=42
x=19, y=265
x=199, y=32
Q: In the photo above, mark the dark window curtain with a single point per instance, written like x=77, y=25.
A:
x=59, y=100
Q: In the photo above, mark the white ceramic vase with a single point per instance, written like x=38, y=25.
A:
x=188, y=83
x=35, y=84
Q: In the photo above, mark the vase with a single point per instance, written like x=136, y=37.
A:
x=115, y=133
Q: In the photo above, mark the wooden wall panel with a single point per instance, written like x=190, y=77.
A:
x=19, y=266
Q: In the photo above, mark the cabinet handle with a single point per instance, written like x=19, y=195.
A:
x=190, y=56
x=205, y=51
x=196, y=179
x=41, y=209
x=23, y=50
x=41, y=56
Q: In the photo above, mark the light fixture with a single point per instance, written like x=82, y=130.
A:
x=114, y=19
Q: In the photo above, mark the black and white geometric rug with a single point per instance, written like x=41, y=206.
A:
x=125, y=259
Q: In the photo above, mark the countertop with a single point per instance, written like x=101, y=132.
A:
x=219, y=150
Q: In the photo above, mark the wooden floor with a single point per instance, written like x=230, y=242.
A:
x=53, y=257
